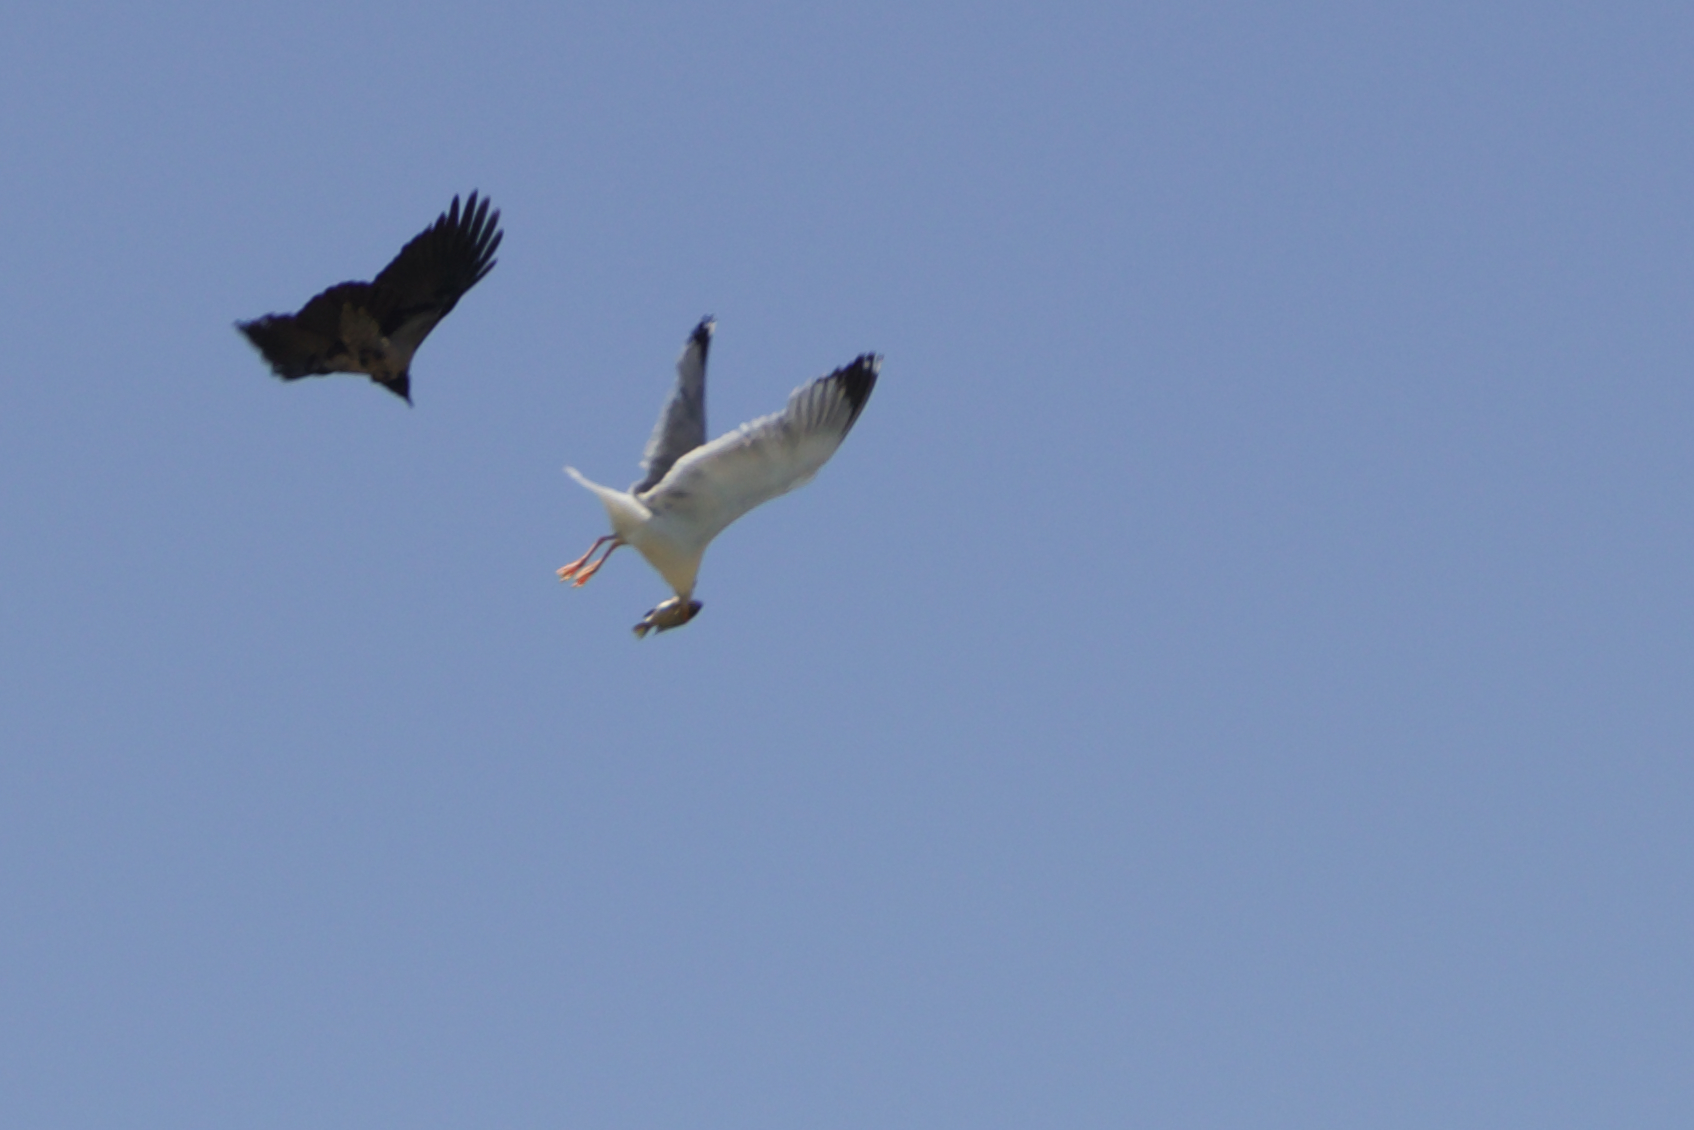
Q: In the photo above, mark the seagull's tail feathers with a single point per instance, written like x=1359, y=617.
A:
x=625, y=511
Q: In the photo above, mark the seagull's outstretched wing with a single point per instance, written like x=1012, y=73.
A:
x=375, y=327
x=712, y=486
x=682, y=424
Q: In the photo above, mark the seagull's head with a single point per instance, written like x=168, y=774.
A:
x=673, y=613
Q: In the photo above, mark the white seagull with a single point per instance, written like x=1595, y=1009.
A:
x=693, y=489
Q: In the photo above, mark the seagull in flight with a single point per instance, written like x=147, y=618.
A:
x=691, y=490
x=375, y=327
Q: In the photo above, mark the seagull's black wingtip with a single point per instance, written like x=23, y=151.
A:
x=858, y=379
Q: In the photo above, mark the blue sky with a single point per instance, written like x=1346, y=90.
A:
x=1236, y=673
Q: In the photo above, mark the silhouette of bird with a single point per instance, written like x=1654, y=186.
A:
x=692, y=489
x=374, y=328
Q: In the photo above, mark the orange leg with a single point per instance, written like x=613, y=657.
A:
x=582, y=577
x=575, y=567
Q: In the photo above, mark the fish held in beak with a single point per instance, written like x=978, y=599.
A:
x=673, y=613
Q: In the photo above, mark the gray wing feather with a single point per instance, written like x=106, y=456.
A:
x=682, y=423
x=717, y=483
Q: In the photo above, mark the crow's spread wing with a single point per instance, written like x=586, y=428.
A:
x=436, y=268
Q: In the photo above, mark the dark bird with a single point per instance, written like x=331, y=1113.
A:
x=375, y=327
x=692, y=489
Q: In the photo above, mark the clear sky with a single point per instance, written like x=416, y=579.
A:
x=1236, y=673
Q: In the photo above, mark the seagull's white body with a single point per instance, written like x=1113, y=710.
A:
x=693, y=490
x=671, y=546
